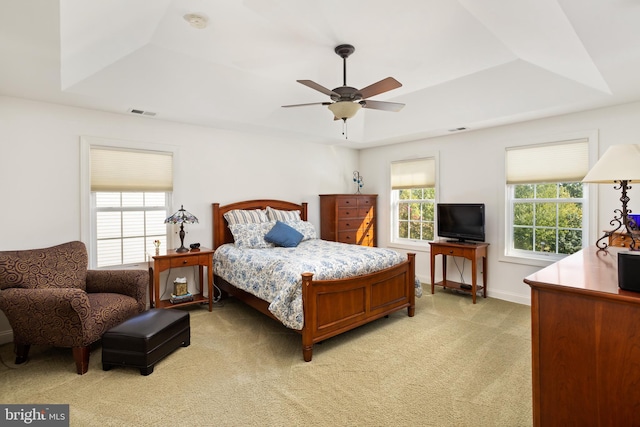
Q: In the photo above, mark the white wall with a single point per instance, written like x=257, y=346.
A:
x=40, y=170
x=472, y=170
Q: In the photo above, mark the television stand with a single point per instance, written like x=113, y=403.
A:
x=460, y=242
x=473, y=252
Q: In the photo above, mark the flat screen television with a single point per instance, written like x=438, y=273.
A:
x=461, y=221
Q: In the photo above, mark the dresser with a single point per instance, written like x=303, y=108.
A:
x=348, y=218
x=585, y=343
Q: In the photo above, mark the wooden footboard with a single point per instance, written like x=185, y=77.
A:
x=332, y=307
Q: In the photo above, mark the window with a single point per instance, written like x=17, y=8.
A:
x=127, y=223
x=546, y=202
x=129, y=199
x=413, y=195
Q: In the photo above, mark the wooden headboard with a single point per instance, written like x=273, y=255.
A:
x=221, y=232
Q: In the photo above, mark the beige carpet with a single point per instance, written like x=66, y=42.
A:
x=453, y=364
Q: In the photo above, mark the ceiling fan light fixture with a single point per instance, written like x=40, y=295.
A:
x=344, y=109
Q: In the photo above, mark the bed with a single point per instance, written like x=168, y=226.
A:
x=331, y=306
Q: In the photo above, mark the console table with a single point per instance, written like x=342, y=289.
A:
x=471, y=251
x=585, y=343
x=202, y=257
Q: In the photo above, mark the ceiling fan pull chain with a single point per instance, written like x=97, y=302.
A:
x=344, y=128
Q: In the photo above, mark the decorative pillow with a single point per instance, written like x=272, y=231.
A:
x=281, y=215
x=246, y=216
x=251, y=236
x=307, y=229
x=283, y=235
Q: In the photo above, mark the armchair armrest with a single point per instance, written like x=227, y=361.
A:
x=39, y=315
x=133, y=283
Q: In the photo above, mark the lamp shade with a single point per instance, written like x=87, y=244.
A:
x=181, y=217
x=618, y=163
x=344, y=109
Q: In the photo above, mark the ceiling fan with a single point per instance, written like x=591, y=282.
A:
x=348, y=100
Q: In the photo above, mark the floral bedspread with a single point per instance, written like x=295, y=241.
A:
x=274, y=274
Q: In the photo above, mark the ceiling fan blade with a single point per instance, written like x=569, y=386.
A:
x=382, y=105
x=319, y=88
x=382, y=86
x=304, y=105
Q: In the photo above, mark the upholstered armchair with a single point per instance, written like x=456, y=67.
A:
x=51, y=298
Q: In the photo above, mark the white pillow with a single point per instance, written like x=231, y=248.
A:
x=251, y=236
x=282, y=215
x=307, y=229
x=246, y=216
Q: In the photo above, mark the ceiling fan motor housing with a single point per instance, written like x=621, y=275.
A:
x=347, y=93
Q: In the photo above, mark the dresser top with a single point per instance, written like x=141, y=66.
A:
x=348, y=195
x=588, y=271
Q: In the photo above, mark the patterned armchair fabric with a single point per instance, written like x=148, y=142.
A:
x=50, y=298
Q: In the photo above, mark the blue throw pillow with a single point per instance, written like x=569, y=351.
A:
x=283, y=235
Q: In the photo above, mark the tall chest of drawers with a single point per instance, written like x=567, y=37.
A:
x=348, y=218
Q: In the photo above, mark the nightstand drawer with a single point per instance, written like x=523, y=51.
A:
x=184, y=262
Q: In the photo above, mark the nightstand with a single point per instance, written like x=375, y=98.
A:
x=202, y=257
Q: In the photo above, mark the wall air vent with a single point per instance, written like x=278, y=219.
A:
x=142, y=112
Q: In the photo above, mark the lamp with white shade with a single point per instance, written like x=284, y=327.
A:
x=619, y=165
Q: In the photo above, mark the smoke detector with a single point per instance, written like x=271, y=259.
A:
x=196, y=20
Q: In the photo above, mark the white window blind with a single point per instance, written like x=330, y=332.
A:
x=419, y=173
x=130, y=170
x=562, y=162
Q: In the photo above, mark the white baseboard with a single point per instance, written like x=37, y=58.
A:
x=507, y=296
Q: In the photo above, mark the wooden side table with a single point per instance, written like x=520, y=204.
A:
x=471, y=251
x=202, y=257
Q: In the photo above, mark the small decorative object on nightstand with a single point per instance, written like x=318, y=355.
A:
x=180, y=286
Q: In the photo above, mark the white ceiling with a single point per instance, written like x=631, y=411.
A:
x=464, y=63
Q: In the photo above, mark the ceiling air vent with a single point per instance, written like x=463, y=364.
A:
x=142, y=112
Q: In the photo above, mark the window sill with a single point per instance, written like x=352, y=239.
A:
x=540, y=261
x=413, y=247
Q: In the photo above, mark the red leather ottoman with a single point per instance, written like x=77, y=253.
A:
x=143, y=340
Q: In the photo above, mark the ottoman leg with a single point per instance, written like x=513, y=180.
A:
x=146, y=371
